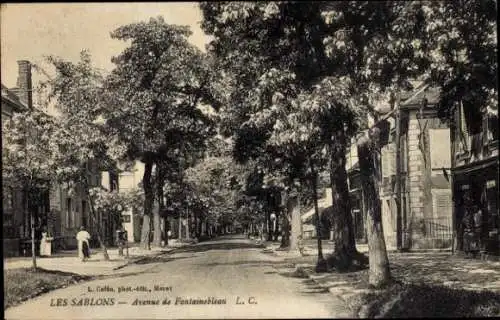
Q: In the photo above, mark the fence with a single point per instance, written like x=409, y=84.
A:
x=438, y=231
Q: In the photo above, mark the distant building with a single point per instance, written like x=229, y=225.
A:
x=308, y=218
x=71, y=210
x=124, y=181
x=356, y=195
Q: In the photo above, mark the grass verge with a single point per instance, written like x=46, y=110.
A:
x=423, y=300
x=25, y=283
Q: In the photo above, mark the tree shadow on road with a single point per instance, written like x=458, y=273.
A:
x=247, y=263
x=308, y=286
x=121, y=275
x=159, y=259
x=203, y=247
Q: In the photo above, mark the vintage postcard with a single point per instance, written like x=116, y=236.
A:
x=250, y=160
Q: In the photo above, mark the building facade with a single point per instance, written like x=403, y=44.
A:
x=124, y=181
x=58, y=211
x=425, y=218
x=16, y=218
x=475, y=178
x=69, y=210
x=426, y=206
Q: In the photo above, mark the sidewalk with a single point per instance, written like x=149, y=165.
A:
x=433, y=268
x=68, y=261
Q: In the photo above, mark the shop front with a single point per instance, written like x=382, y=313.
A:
x=477, y=220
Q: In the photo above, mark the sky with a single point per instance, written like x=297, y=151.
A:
x=31, y=31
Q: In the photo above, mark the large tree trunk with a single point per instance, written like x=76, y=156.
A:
x=156, y=226
x=199, y=227
x=166, y=228
x=369, y=163
x=285, y=230
x=28, y=210
x=321, y=265
x=160, y=181
x=345, y=255
x=33, y=240
x=275, y=226
x=293, y=207
x=188, y=222
x=180, y=226
x=97, y=224
x=148, y=204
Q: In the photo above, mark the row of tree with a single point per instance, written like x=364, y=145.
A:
x=289, y=84
x=146, y=109
x=301, y=77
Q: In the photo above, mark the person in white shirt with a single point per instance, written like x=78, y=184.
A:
x=83, y=238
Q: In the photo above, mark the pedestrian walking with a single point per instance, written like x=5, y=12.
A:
x=83, y=238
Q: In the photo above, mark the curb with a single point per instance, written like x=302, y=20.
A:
x=339, y=296
x=309, y=276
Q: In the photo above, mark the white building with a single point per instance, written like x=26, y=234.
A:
x=128, y=180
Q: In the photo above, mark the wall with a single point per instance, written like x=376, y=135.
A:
x=427, y=155
x=15, y=222
x=69, y=211
x=127, y=181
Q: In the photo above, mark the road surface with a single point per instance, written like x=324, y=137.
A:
x=227, y=278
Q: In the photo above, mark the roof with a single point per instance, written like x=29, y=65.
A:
x=11, y=98
x=414, y=98
x=323, y=203
x=439, y=182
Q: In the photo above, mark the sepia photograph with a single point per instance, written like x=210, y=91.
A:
x=250, y=160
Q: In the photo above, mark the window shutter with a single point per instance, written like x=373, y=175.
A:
x=392, y=159
x=442, y=206
x=385, y=161
x=463, y=127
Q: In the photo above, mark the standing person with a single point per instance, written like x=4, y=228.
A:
x=83, y=238
x=45, y=243
x=478, y=226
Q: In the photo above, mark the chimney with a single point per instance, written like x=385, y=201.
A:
x=24, y=83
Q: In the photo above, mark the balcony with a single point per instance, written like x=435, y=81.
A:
x=475, y=148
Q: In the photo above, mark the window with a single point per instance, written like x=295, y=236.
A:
x=113, y=181
x=388, y=160
x=492, y=125
x=8, y=206
x=463, y=133
x=439, y=148
x=492, y=205
x=404, y=154
x=8, y=198
x=441, y=205
x=473, y=118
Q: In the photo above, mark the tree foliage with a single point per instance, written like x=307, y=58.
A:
x=154, y=91
x=28, y=150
